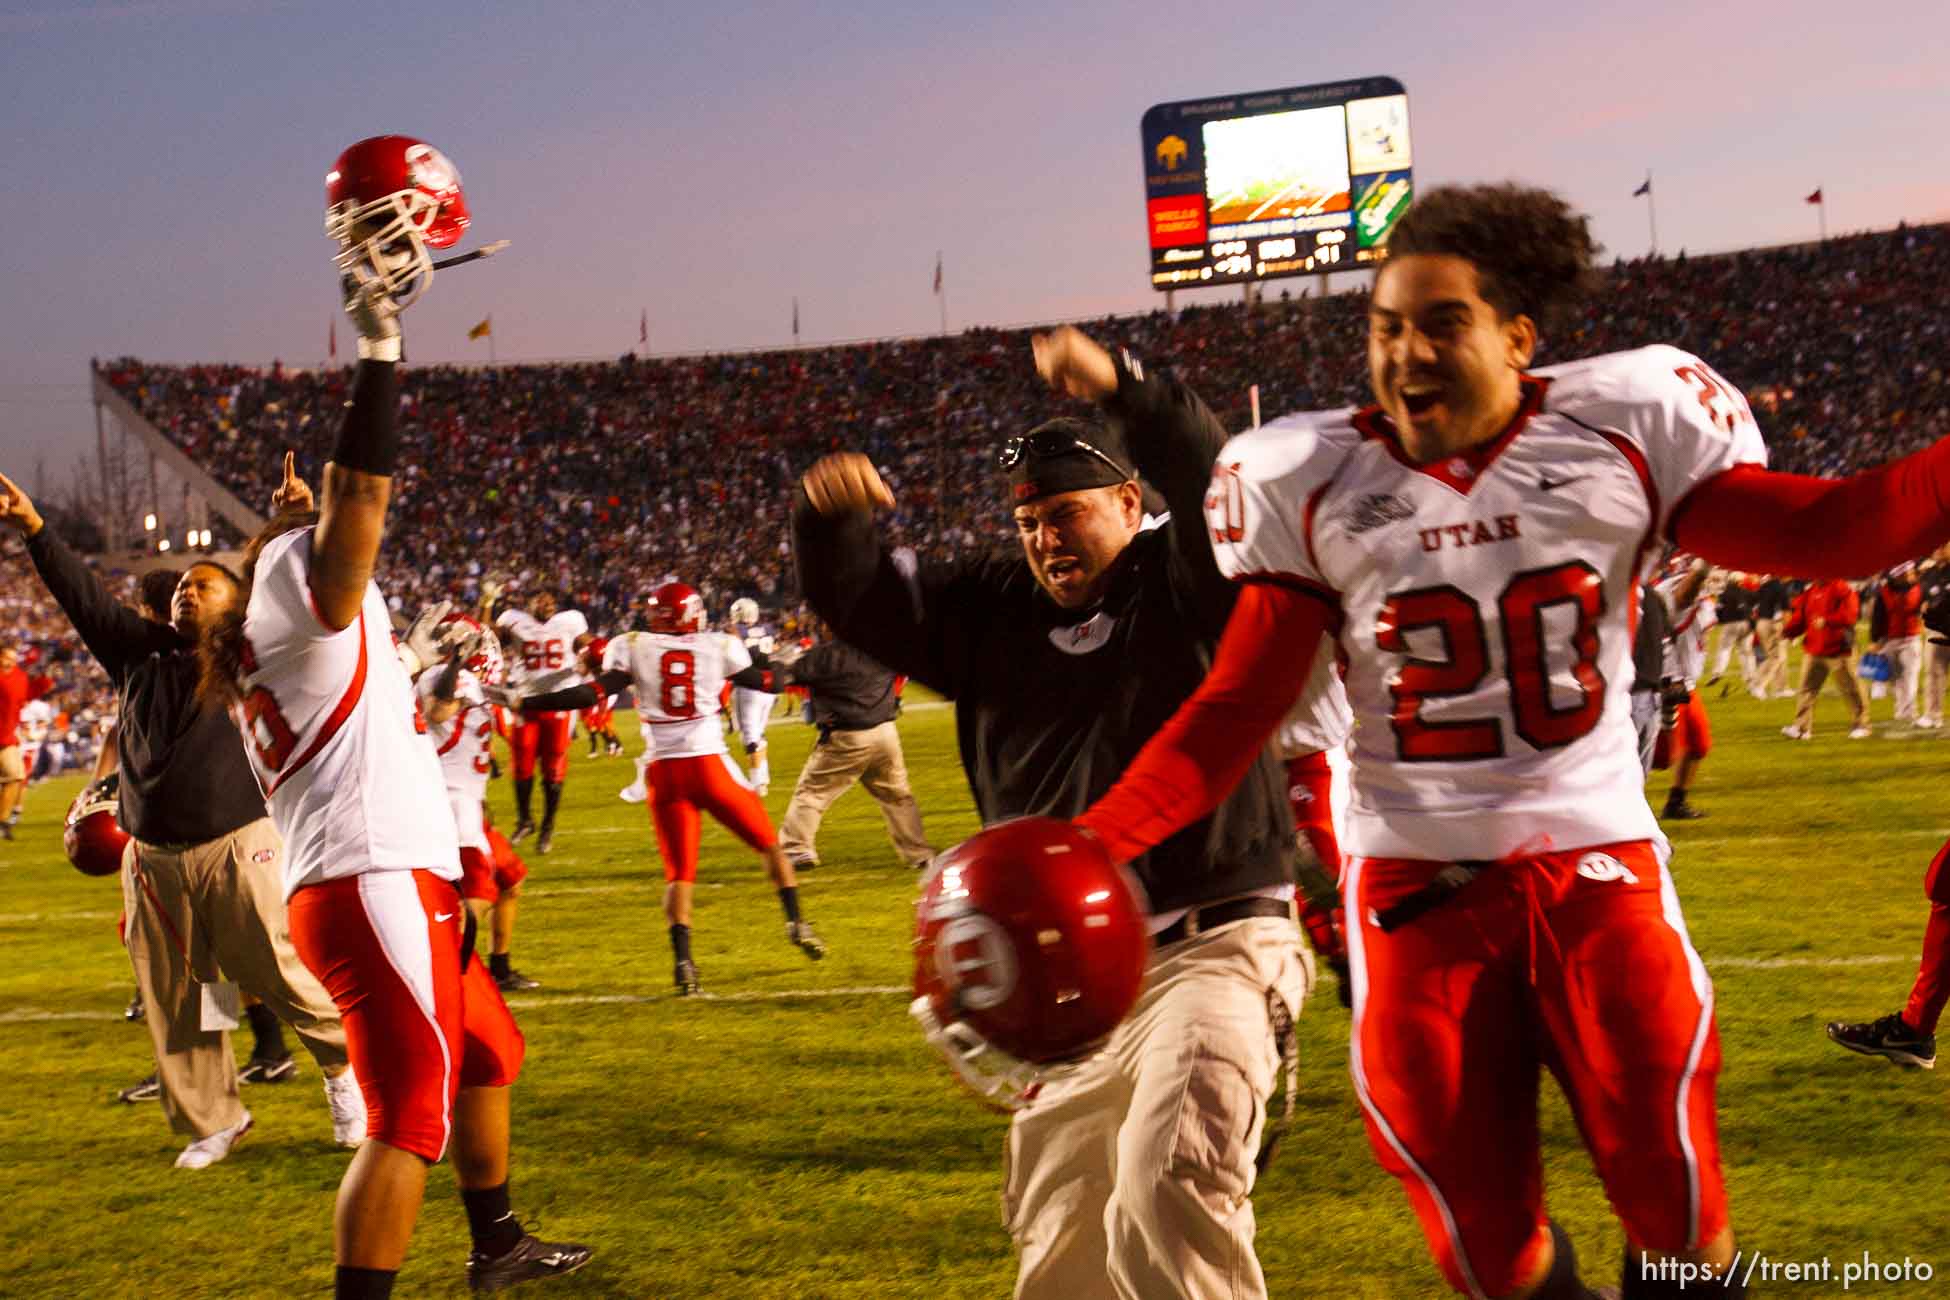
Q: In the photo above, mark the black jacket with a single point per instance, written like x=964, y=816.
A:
x=849, y=691
x=185, y=778
x=1050, y=706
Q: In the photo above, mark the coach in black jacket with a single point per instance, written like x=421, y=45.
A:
x=1062, y=660
x=202, y=879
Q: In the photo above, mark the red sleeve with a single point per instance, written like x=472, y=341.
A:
x=1755, y=519
x=1195, y=760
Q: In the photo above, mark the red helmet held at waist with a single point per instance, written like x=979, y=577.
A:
x=676, y=608
x=1029, y=947
x=93, y=839
x=389, y=199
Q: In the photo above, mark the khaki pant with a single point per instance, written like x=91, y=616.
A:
x=871, y=757
x=12, y=766
x=1938, y=658
x=1733, y=648
x=1814, y=671
x=1905, y=654
x=1772, y=675
x=205, y=912
x=1130, y=1176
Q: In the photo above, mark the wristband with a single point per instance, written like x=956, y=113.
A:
x=369, y=438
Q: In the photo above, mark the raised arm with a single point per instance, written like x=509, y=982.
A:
x=359, y=477
x=115, y=634
x=1766, y=522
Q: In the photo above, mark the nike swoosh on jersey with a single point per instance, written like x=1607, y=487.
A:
x=1551, y=485
x=442, y=916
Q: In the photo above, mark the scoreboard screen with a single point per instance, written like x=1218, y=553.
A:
x=1300, y=181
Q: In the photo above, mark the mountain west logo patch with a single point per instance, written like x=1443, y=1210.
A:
x=1375, y=510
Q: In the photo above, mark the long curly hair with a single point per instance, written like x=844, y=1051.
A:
x=1532, y=252
x=220, y=650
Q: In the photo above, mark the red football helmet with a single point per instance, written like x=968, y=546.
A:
x=387, y=201
x=480, y=651
x=676, y=608
x=92, y=838
x=1029, y=947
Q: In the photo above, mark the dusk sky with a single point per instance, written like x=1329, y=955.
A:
x=164, y=159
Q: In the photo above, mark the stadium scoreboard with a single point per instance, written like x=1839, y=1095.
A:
x=1302, y=181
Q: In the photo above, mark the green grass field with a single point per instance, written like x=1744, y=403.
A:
x=791, y=1136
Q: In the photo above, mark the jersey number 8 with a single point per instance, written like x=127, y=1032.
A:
x=678, y=672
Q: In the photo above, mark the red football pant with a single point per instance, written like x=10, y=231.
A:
x=1309, y=792
x=1932, y=988
x=1578, y=961
x=1691, y=737
x=544, y=736
x=386, y=946
x=682, y=788
x=486, y=875
x=598, y=718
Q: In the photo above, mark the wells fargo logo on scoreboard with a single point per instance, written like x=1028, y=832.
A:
x=1171, y=152
x=1177, y=220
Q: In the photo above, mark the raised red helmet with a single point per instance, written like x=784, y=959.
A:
x=480, y=651
x=676, y=608
x=388, y=200
x=1029, y=947
x=92, y=838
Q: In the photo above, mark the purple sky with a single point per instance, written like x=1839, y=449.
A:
x=164, y=160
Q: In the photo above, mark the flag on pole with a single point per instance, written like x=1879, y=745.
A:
x=643, y=327
x=795, y=320
x=483, y=330
x=1815, y=197
x=332, y=339
x=937, y=274
x=1646, y=188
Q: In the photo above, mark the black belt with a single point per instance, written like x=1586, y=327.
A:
x=1201, y=919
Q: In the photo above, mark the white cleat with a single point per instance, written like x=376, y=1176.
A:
x=1793, y=732
x=632, y=794
x=1860, y=733
x=1929, y=724
x=204, y=1152
x=348, y=1109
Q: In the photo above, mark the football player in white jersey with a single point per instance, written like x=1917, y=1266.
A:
x=750, y=709
x=1474, y=542
x=305, y=656
x=677, y=670
x=1312, y=746
x=545, y=644
x=1693, y=616
x=460, y=725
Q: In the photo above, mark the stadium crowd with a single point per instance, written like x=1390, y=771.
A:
x=603, y=479
x=57, y=664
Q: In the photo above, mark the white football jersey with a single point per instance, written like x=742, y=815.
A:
x=678, y=681
x=1321, y=718
x=333, y=733
x=1485, y=602
x=36, y=717
x=545, y=653
x=461, y=743
x=1685, y=652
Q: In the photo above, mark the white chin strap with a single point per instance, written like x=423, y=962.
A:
x=1001, y=1080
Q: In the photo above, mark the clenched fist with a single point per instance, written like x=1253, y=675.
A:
x=844, y=482
x=1074, y=364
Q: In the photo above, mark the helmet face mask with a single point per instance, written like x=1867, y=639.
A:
x=92, y=837
x=389, y=200
x=744, y=611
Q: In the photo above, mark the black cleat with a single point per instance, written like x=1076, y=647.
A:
x=1680, y=810
x=686, y=978
x=515, y=982
x=546, y=840
x=148, y=1090
x=523, y=829
x=268, y=1069
x=134, y=1010
x=1890, y=1036
x=800, y=935
x=527, y=1261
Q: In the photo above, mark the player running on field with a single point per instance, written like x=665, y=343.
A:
x=751, y=709
x=677, y=670
x=460, y=725
x=306, y=659
x=545, y=645
x=1474, y=542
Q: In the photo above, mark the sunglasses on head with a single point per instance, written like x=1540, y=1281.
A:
x=1051, y=442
